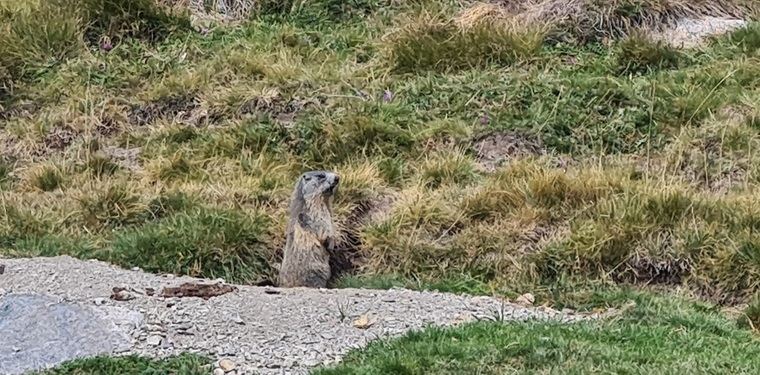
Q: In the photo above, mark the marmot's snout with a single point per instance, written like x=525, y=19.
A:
x=333, y=183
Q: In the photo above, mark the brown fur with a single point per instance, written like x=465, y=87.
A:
x=310, y=232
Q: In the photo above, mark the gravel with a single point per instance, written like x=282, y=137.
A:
x=248, y=331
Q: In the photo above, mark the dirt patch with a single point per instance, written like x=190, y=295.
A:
x=345, y=257
x=59, y=138
x=170, y=107
x=128, y=158
x=649, y=270
x=22, y=110
x=491, y=150
x=277, y=107
x=107, y=127
x=204, y=291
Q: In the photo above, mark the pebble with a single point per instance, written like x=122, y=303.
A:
x=218, y=371
x=154, y=340
x=226, y=365
x=526, y=299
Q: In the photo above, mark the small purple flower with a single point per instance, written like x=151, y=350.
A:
x=485, y=119
x=105, y=44
x=388, y=96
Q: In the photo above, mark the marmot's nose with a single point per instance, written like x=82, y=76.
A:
x=336, y=180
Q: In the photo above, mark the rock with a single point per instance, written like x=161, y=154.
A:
x=363, y=322
x=218, y=371
x=2, y=269
x=121, y=294
x=226, y=365
x=154, y=340
x=526, y=299
x=136, y=269
x=58, y=332
x=99, y=301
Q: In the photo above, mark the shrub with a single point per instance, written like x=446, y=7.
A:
x=204, y=243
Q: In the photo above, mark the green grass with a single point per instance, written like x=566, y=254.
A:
x=189, y=364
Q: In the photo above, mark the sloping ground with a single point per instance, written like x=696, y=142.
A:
x=260, y=330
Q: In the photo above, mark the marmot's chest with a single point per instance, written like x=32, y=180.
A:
x=317, y=221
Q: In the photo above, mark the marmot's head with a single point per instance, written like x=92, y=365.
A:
x=318, y=184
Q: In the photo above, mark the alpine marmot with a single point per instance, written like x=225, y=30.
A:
x=310, y=232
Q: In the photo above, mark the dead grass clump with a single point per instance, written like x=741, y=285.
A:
x=532, y=183
x=407, y=239
x=432, y=42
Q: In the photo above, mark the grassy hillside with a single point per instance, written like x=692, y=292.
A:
x=483, y=148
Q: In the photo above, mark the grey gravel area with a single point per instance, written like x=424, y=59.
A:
x=249, y=331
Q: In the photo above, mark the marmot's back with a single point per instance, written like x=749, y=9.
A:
x=310, y=232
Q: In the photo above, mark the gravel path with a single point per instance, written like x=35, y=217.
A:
x=256, y=329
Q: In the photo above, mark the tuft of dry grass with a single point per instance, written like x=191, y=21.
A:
x=433, y=42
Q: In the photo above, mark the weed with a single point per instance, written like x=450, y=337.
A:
x=747, y=38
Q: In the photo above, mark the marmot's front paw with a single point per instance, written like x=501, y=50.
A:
x=330, y=243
